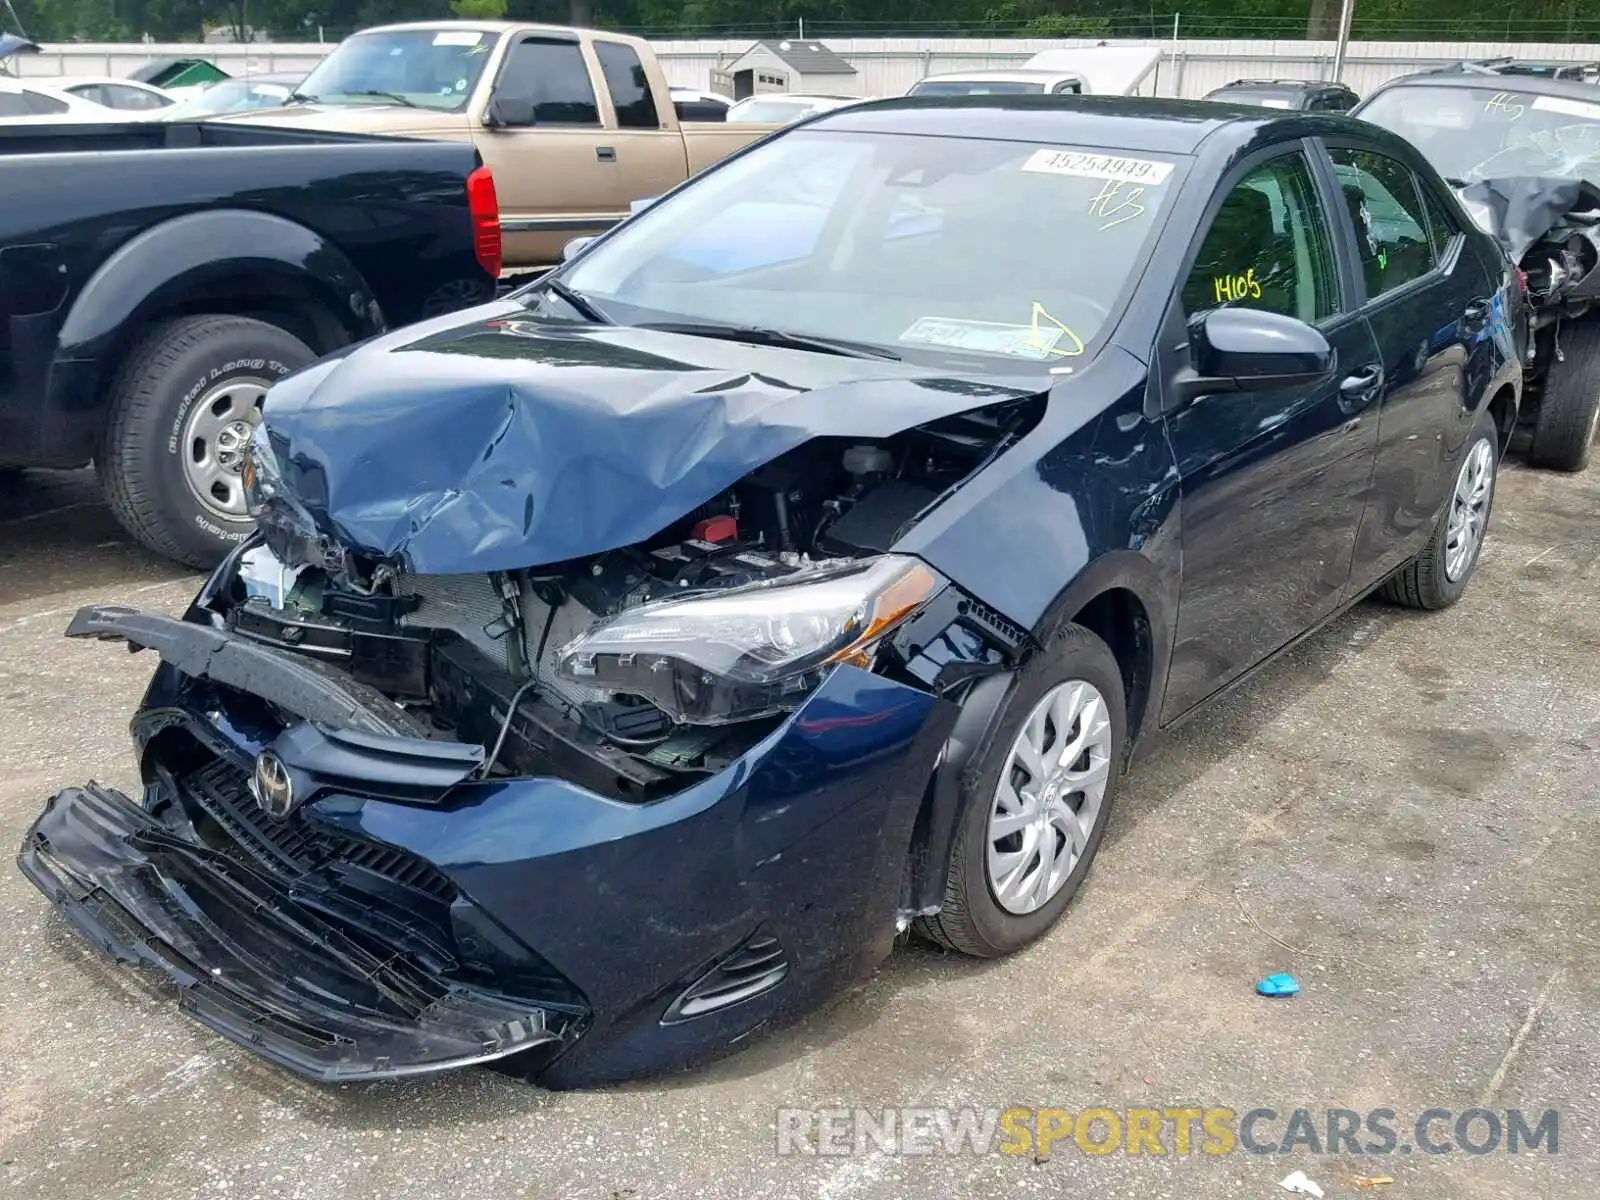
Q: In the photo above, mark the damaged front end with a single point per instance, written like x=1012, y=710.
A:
x=591, y=818
x=1551, y=229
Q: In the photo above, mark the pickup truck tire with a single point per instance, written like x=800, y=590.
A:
x=1569, y=410
x=181, y=406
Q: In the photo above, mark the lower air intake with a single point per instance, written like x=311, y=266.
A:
x=753, y=969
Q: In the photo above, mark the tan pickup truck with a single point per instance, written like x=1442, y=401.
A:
x=575, y=124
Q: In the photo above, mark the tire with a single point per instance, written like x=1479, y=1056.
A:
x=1427, y=581
x=973, y=919
x=147, y=460
x=1569, y=410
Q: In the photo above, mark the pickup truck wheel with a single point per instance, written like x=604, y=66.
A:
x=1569, y=410
x=1437, y=576
x=182, y=411
x=1037, y=801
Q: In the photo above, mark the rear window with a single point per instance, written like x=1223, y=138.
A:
x=628, y=85
x=977, y=87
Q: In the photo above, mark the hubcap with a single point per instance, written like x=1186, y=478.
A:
x=1469, y=510
x=215, y=438
x=1050, y=796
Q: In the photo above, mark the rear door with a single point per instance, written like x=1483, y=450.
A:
x=1419, y=296
x=552, y=179
x=1273, y=483
x=646, y=149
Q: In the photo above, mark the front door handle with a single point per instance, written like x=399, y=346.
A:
x=606, y=153
x=1363, y=386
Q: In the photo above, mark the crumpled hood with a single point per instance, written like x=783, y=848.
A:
x=489, y=441
x=1520, y=210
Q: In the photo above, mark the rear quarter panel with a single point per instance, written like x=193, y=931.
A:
x=707, y=143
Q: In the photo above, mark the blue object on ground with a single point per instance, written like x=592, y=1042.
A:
x=1278, y=985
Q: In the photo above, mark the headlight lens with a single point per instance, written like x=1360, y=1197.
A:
x=750, y=651
x=286, y=526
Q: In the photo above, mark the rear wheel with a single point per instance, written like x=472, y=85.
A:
x=1438, y=576
x=1036, y=803
x=1569, y=409
x=183, y=408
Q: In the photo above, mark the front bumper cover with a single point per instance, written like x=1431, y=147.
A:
x=372, y=934
x=254, y=962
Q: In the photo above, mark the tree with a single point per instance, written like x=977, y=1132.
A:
x=478, y=10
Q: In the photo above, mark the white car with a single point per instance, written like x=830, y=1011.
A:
x=45, y=102
x=695, y=105
x=1094, y=70
x=127, y=96
x=780, y=108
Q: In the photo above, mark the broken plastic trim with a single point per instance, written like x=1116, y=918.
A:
x=299, y=685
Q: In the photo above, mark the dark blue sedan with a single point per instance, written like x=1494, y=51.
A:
x=618, y=668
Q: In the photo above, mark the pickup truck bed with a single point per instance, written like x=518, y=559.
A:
x=156, y=279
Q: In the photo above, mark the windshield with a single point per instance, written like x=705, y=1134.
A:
x=925, y=246
x=1483, y=133
x=231, y=95
x=428, y=68
x=976, y=87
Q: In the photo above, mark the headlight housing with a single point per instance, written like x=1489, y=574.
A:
x=750, y=651
x=286, y=526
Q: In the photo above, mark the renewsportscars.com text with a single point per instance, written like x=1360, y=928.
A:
x=1173, y=1130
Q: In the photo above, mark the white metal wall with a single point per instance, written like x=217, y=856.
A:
x=889, y=66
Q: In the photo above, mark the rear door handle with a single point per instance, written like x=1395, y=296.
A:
x=606, y=153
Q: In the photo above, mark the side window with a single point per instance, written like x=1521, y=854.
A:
x=1442, y=227
x=1391, y=231
x=1268, y=247
x=14, y=104
x=90, y=92
x=132, y=99
x=1067, y=87
x=628, y=85
x=40, y=104
x=553, y=77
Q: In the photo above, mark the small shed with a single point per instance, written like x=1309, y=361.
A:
x=790, y=65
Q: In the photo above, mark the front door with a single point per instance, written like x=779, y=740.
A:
x=1272, y=483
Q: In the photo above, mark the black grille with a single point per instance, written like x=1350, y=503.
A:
x=293, y=846
x=754, y=968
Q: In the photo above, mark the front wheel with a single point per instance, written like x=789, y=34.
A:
x=1036, y=803
x=1438, y=576
x=1569, y=409
x=183, y=408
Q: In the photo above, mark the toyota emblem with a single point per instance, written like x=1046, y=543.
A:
x=271, y=785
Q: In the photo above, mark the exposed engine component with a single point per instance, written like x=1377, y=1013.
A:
x=460, y=651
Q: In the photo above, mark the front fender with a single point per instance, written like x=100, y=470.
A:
x=201, y=251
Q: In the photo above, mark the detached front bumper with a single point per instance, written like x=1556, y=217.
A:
x=372, y=933
x=255, y=962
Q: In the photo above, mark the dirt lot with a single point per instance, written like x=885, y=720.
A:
x=1405, y=812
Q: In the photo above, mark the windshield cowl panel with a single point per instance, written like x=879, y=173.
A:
x=1001, y=255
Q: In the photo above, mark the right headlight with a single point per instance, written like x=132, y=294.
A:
x=286, y=525
x=750, y=651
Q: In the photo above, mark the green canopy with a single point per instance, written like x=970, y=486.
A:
x=179, y=72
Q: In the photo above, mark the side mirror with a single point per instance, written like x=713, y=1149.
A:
x=574, y=248
x=1248, y=350
x=504, y=112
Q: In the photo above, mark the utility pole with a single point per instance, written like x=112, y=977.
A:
x=1345, y=13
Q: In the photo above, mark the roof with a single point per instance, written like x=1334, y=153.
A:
x=499, y=27
x=1152, y=124
x=1282, y=85
x=1525, y=85
x=809, y=58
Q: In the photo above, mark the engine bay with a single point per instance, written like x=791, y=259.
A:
x=477, y=658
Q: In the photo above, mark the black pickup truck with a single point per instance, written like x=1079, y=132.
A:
x=156, y=280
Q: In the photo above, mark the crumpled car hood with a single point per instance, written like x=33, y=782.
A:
x=1522, y=209
x=489, y=440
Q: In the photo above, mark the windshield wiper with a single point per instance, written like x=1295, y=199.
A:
x=1454, y=181
x=395, y=96
x=578, y=301
x=298, y=98
x=774, y=337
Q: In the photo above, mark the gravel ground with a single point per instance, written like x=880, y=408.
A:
x=1403, y=811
